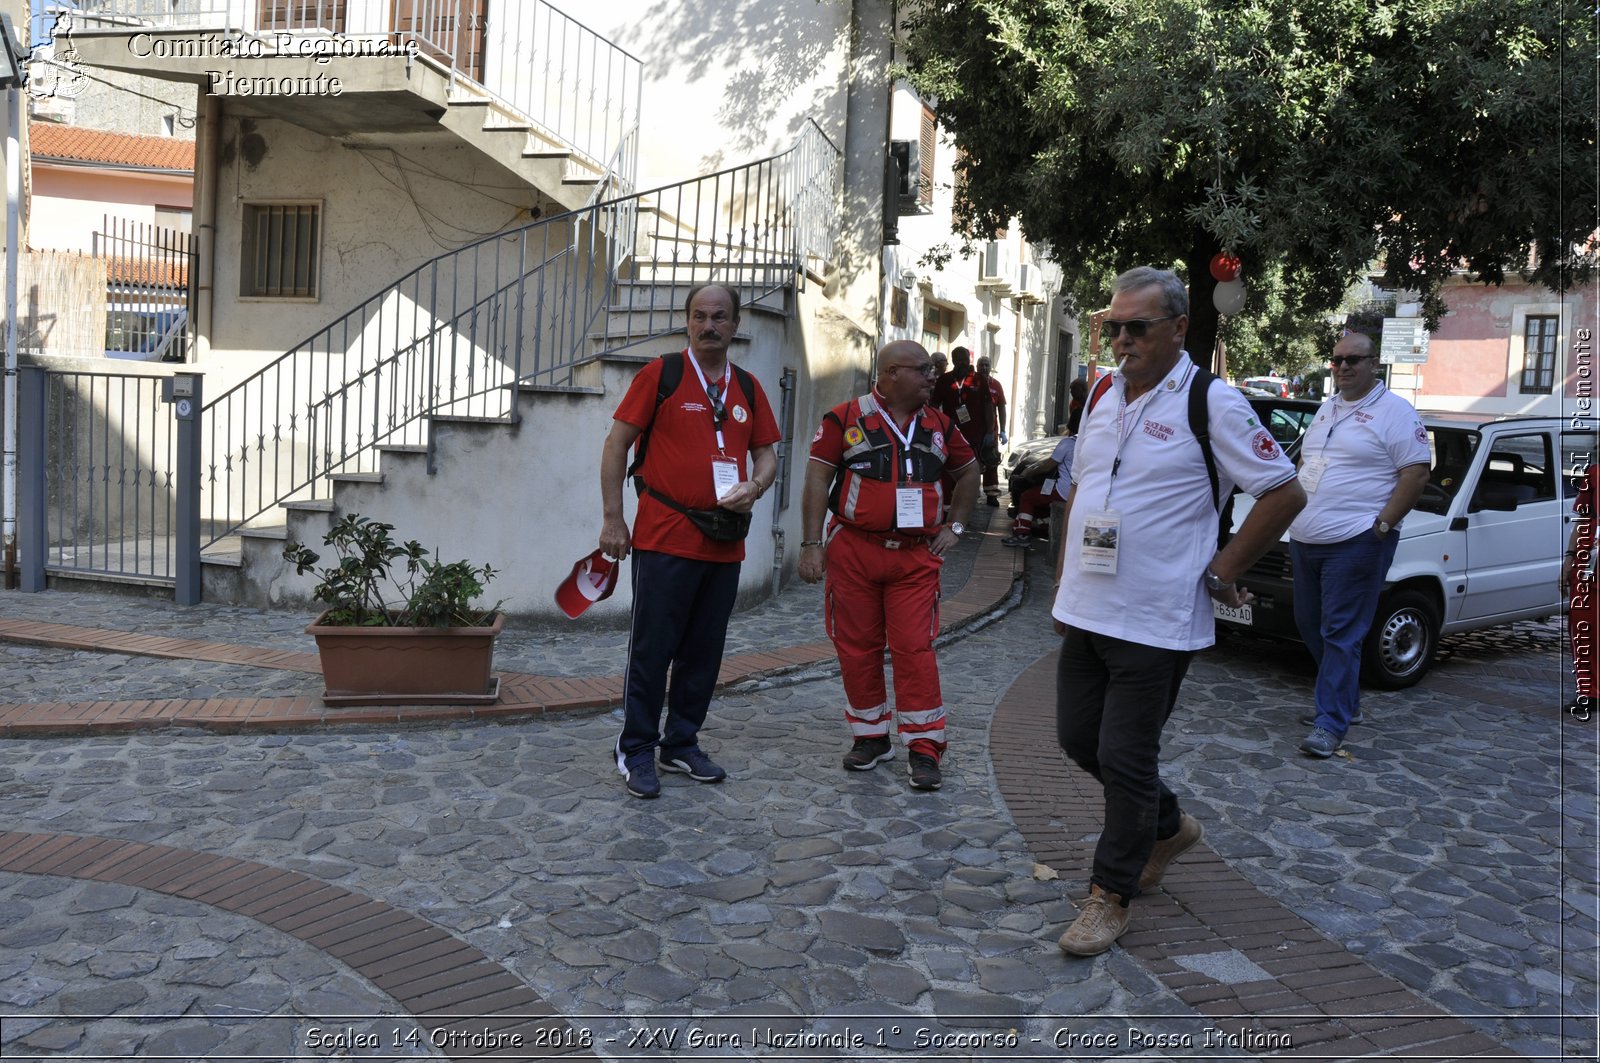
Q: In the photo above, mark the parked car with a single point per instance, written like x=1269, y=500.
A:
x=1275, y=385
x=1483, y=546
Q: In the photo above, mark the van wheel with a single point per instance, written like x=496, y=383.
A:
x=1404, y=637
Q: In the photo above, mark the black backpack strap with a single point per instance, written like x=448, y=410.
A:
x=1200, y=426
x=671, y=377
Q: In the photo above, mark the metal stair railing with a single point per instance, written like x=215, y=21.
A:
x=454, y=336
x=540, y=65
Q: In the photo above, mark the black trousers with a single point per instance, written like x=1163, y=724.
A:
x=1112, y=702
x=680, y=622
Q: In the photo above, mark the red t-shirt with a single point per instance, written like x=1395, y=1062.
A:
x=678, y=460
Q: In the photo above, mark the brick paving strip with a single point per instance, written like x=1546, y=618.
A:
x=994, y=572
x=429, y=972
x=1221, y=945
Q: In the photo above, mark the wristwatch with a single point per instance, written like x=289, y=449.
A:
x=956, y=528
x=1382, y=526
x=1215, y=582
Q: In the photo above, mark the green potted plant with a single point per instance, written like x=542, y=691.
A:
x=400, y=626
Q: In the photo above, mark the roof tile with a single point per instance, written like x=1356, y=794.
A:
x=48, y=140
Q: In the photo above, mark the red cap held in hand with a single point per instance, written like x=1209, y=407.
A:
x=591, y=580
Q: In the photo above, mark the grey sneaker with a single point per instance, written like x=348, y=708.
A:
x=1015, y=540
x=1321, y=743
x=1169, y=849
x=1310, y=718
x=1101, y=920
x=868, y=753
x=695, y=764
x=639, y=771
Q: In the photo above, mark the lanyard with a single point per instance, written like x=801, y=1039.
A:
x=1335, y=421
x=1123, y=435
x=903, y=437
x=717, y=400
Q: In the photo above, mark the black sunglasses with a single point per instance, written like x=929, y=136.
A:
x=925, y=369
x=1340, y=359
x=719, y=413
x=1137, y=327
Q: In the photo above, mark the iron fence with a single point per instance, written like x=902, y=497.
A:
x=149, y=289
x=99, y=482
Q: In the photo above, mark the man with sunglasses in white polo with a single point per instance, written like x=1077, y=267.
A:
x=1140, y=568
x=1364, y=463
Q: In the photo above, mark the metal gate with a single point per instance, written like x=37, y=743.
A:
x=108, y=482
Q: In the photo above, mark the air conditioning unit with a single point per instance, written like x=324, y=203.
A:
x=1030, y=283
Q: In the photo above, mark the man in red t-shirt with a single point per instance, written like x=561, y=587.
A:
x=877, y=462
x=707, y=458
x=981, y=411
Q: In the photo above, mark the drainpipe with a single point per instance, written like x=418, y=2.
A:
x=208, y=152
x=780, y=494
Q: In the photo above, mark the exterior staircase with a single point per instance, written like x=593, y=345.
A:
x=449, y=461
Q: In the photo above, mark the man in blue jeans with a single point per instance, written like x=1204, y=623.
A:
x=1363, y=466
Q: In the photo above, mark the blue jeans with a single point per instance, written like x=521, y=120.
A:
x=1336, y=588
x=1112, y=702
x=680, y=622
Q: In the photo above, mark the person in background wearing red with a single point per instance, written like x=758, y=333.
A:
x=877, y=463
x=980, y=412
x=709, y=450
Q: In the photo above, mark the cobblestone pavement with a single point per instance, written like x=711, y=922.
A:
x=1452, y=847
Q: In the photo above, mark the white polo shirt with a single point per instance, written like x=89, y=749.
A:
x=1361, y=447
x=1161, y=492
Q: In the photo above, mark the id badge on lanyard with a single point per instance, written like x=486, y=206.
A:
x=1311, y=471
x=908, y=507
x=1101, y=533
x=724, y=474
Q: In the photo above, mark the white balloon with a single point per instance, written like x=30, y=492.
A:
x=1229, y=297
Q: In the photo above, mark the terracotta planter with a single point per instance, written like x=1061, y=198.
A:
x=407, y=665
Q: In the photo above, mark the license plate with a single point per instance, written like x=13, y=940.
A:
x=1239, y=614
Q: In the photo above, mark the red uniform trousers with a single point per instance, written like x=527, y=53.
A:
x=1031, y=506
x=876, y=597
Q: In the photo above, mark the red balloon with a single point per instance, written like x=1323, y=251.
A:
x=1225, y=266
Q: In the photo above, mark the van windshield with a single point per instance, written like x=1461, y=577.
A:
x=1452, y=450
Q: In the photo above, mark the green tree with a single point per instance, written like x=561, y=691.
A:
x=1308, y=138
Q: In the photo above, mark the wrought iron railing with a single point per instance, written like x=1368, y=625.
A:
x=568, y=82
x=150, y=291
x=454, y=336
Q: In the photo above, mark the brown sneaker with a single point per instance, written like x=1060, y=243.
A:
x=1101, y=920
x=1169, y=849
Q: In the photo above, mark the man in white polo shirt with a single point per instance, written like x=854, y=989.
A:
x=1363, y=465
x=1140, y=569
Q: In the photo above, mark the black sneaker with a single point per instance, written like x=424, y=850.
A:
x=868, y=753
x=695, y=764
x=924, y=771
x=639, y=771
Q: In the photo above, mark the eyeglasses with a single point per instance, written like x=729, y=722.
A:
x=1137, y=327
x=1340, y=359
x=924, y=368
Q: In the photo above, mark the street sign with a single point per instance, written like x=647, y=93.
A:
x=1405, y=340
